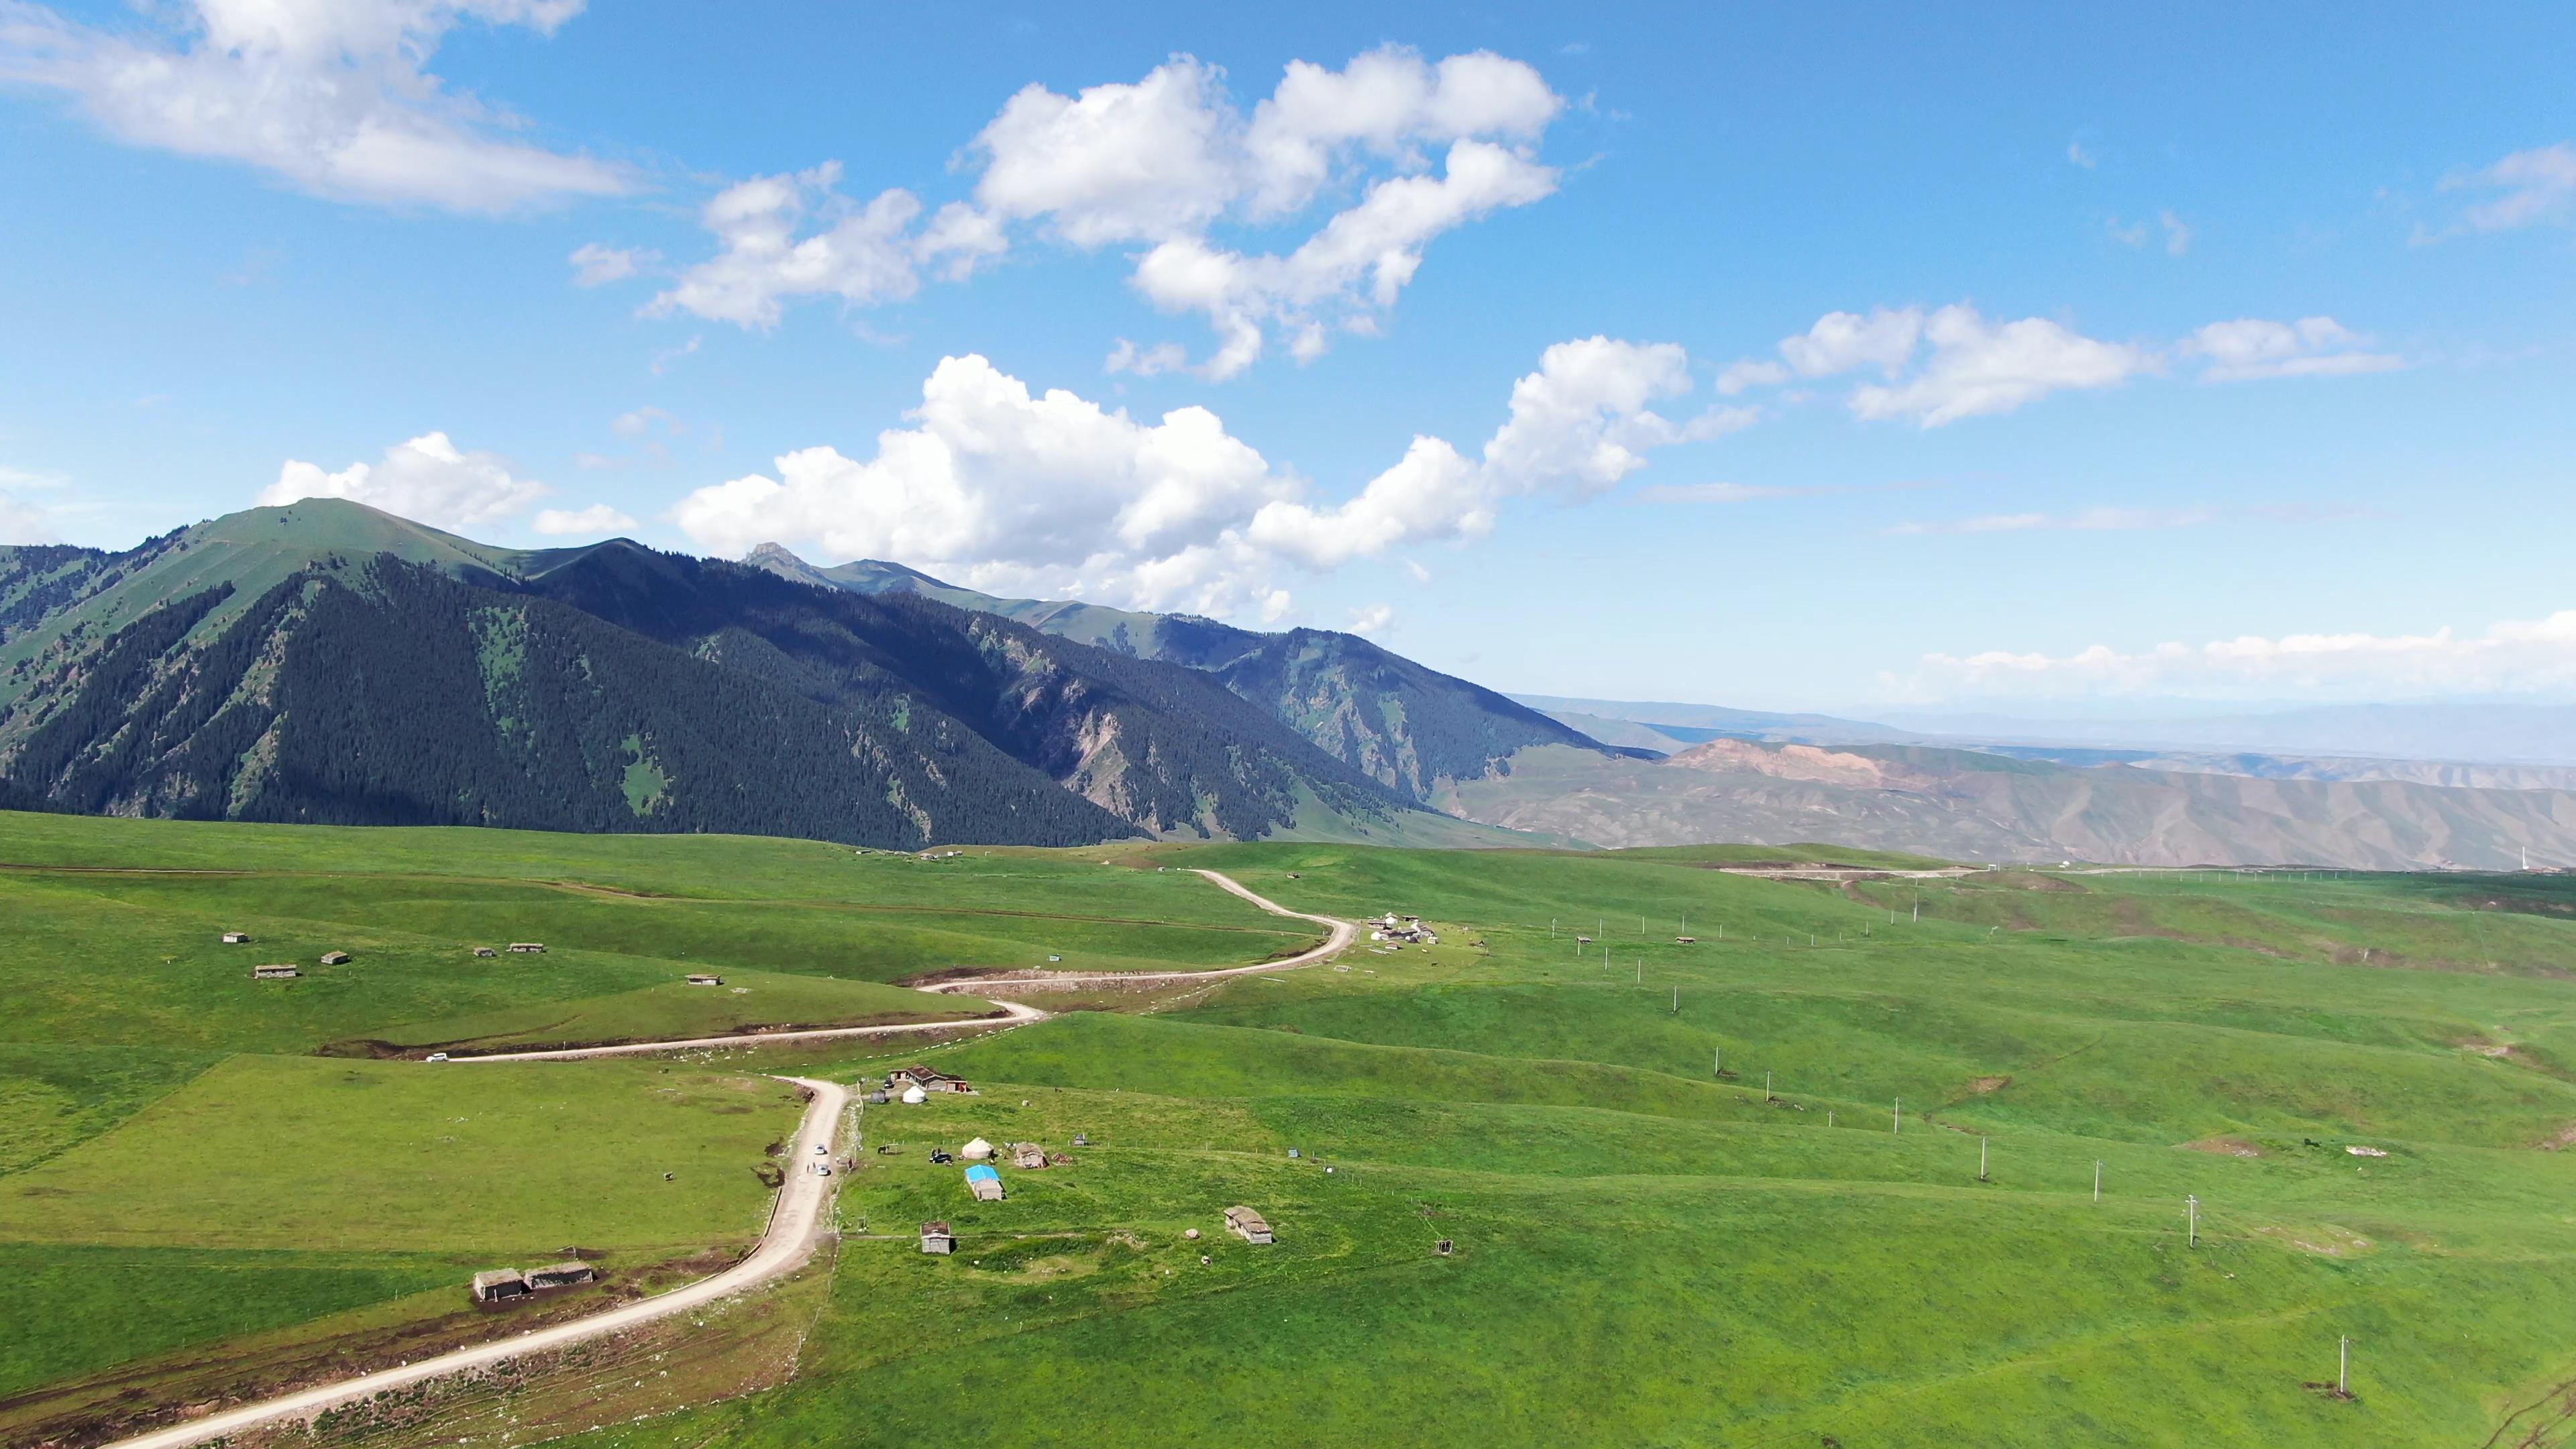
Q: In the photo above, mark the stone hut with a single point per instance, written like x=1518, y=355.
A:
x=561, y=1275
x=276, y=972
x=500, y=1285
x=699, y=978
x=1248, y=1225
x=1028, y=1155
x=335, y=958
x=935, y=1238
x=485, y=951
x=527, y=948
x=236, y=938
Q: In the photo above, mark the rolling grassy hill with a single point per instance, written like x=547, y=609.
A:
x=1678, y=1210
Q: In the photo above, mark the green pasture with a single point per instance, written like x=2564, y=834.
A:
x=1682, y=1215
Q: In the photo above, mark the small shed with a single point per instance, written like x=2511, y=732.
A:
x=500, y=1284
x=561, y=1275
x=485, y=951
x=1028, y=1155
x=878, y=1098
x=935, y=1238
x=236, y=938
x=984, y=1182
x=1248, y=1225
x=978, y=1150
x=698, y=978
x=277, y=972
x=335, y=958
x=527, y=948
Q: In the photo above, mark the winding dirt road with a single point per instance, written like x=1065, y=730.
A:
x=797, y=1221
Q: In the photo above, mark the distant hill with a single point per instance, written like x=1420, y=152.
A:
x=1408, y=727
x=1981, y=806
x=325, y=661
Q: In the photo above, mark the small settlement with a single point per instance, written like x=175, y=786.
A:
x=1392, y=927
x=1248, y=1225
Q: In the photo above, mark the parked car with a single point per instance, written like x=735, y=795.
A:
x=438, y=1056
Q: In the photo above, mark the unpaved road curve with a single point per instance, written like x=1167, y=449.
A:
x=795, y=1224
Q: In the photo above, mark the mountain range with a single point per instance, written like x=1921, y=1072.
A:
x=326, y=662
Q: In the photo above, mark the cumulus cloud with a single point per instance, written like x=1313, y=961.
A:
x=1162, y=357
x=1374, y=619
x=1016, y=491
x=598, y=520
x=2513, y=655
x=2525, y=188
x=2252, y=347
x=428, y=479
x=594, y=265
x=1159, y=164
x=1955, y=363
x=1979, y=367
x=332, y=95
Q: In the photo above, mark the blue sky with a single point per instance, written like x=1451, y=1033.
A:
x=1759, y=355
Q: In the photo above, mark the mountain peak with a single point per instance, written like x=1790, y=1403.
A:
x=774, y=555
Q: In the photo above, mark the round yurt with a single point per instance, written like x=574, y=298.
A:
x=976, y=1151
x=913, y=1096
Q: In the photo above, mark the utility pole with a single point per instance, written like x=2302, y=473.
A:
x=2191, y=1205
x=1899, y=1129
x=1766, y=1086
x=1981, y=1159
x=1677, y=1001
x=2343, y=1367
x=1829, y=1116
x=1551, y=928
x=2097, y=1181
x=1717, y=1068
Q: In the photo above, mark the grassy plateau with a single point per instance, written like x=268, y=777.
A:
x=1824, y=1173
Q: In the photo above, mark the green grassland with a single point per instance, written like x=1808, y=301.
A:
x=175, y=1120
x=1650, y=1253
x=1649, y=1250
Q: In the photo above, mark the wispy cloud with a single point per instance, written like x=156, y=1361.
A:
x=2523, y=189
x=2090, y=520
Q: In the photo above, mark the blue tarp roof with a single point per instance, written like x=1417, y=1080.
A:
x=979, y=1172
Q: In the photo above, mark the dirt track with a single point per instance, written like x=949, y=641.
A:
x=795, y=1223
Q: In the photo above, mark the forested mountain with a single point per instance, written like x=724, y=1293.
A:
x=325, y=662
x=1405, y=725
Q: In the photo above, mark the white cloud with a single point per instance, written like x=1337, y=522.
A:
x=1160, y=163
x=1051, y=494
x=1151, y=361
x=1373, y=619
x=2076, y=153
x=2514, y=655
x=597, y=520
x=427, y=479
x=862, y=253
x=594, y=265
x=2253, y=347
x=1736, y=492
x=2536, y=185
x=1979, y=367
x=332, y=95
x=1954, y=363
x=641, y=421
x=22, y=522
x=2177, y=234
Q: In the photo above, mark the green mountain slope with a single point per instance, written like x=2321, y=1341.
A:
x=330, y=662
x=1405, y=725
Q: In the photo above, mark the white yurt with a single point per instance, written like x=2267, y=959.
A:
x=976, y=1151
x=913, y=1096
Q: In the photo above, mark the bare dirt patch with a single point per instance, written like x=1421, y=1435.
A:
x=2558, y=1141
x=2224, y=1147
x=2326, y=1240
x=1984, y=1085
